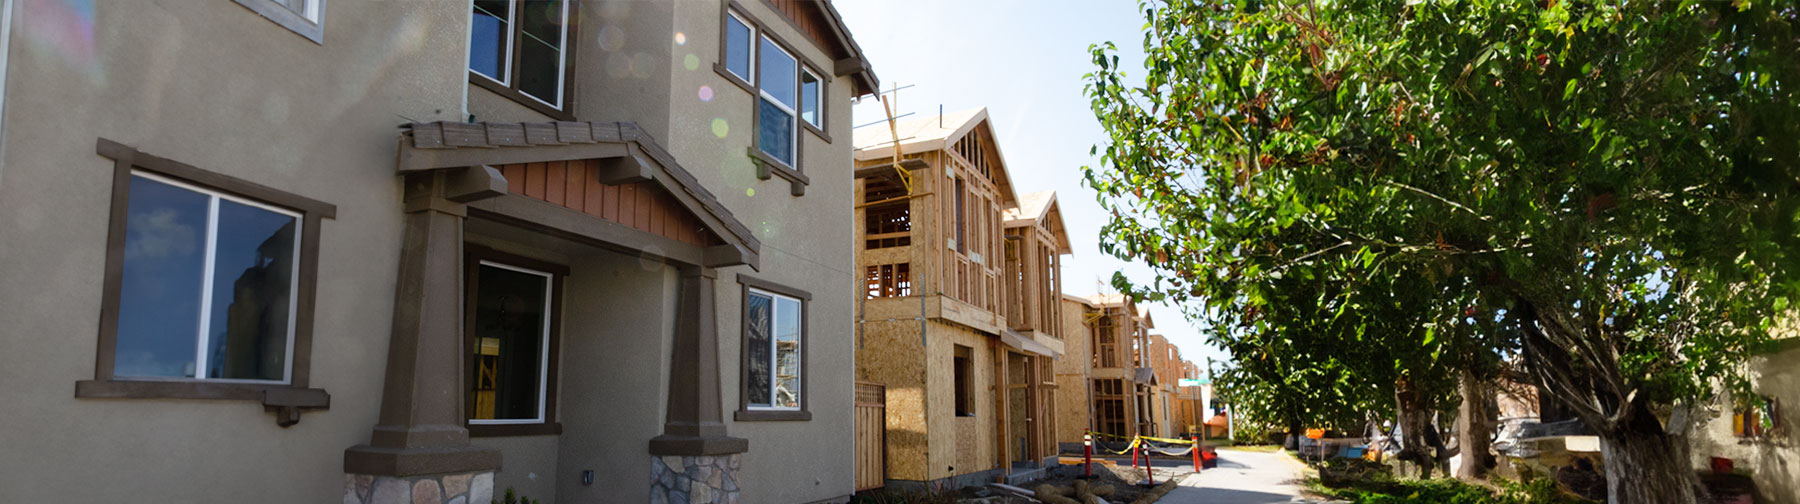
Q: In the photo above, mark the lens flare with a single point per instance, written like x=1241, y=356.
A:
x=692, y=62
x=680, y=38
x=720, y=128
x=750, y=191
x=611, y=38
x=706, y=93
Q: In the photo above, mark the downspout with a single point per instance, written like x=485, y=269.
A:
x=6, y=22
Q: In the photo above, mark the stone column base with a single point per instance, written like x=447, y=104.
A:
x=453, y=488
x=694, y=480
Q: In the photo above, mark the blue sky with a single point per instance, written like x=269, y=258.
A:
x=1024, y=61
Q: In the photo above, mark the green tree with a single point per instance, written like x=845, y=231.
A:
x=1614, y=179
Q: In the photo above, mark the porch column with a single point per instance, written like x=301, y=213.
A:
x=419, y=436
x=693, y=439
x=694, y=426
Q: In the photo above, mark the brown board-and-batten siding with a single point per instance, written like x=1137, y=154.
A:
x=644, y=206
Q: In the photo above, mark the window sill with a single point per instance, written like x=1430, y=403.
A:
x=772, y=416
x=512, y=430
x=285, y=400
x=518, y=97
x=719, y=68
x=767, y=166
x=816, y=131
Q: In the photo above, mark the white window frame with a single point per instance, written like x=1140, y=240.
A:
x=543, y=345
x=793, y=112
x=562, y=55
x=768, y=403
x=204, y=338
x=801, y=93
x=308, y=22
x=755, y=36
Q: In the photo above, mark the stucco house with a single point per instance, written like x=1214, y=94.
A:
x=350, y=251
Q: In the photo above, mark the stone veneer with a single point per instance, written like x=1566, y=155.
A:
x=694, y=480
x=456, y=488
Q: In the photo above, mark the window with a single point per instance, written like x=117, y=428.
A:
x=738, y=35
x=810, y=87
x=774, y=363
x=208, y=292
x=305, y=17
x=889, y=280
x=513, y=329
x=520, y=49
x=958, y=242
x=789, y=94
x=1757, y=418
x=965, y=376
x=775, y=123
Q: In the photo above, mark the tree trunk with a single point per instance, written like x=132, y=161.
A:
x=1294, y=431
x=1646, y=465
x=1475, y=428
x=1413, y=422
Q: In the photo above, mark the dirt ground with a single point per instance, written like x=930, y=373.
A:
x=1122, y=477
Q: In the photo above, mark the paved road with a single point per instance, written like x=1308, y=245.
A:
x=1242, y=478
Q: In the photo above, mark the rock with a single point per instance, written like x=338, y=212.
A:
x=481, y=488
x=736, y=461
x=460, y=499
x=1101, y=490
x=674, y=463
x=712, y=479
x=678, y=497
x=426, y=491
x=391, y=491
x=456, y=484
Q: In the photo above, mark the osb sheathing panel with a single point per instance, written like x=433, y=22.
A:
x=960, y=445
x=891, y=355
x=1073, y=393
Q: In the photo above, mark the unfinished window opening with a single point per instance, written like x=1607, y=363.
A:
x=889, y=280
x=1109, y=407
x=1108, y=342
x=959, y=241
x=1758, y=418
x=965, y=369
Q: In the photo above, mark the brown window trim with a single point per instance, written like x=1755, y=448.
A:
x=768, y=166
x=472, y=257
x=744, y=413
x=511, y=92
x=285, y=399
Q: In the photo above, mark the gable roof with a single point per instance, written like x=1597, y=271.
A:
x=853, y=62
x=426, y=146
x=934, y=133
x=1036, y=207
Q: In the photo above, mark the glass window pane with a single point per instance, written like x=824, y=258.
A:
x=252, y=293
x=775, y=132
x=809, y=99
x=777, y=72
x=757, y=314
x=511, y=313
x=540, y=50
x=160, y=287
x=737, y=47
x=487, y=38
x=787, y=353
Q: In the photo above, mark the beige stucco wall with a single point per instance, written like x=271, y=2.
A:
x=214, y=85
x=1774, y=463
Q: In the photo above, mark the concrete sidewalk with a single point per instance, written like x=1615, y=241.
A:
x=1243, y=477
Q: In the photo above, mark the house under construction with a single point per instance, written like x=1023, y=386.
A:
x=959, y=321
